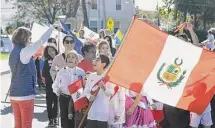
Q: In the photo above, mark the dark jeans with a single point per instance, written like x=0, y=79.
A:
x=78, y=118
x=51, y=102
x=64, y=104
x=175, y=117
x=96, y=124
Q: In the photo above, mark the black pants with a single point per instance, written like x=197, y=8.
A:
x=39, y=78
x=175, y=117
x=51, y=102
x=64, y=104
x=96, y=124
x=78, y=117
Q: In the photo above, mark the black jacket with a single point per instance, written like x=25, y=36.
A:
x=46, y=71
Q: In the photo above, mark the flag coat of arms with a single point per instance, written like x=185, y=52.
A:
x=164, y=67
x=76, y=91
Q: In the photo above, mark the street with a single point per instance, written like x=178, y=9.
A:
x=7, y=120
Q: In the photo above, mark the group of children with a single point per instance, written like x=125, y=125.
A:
x=113, y=106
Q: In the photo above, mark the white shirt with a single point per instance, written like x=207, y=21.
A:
x=65, y=77
x=100, y=108
x=117, y=107
x=27, y=52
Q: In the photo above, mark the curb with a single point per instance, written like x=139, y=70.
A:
x=5, y=72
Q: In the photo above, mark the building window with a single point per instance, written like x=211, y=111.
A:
x=116, y=26
x=94, y=4
x=93, y=26
x=118, y=5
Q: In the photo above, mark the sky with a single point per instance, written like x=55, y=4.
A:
x=149, y=5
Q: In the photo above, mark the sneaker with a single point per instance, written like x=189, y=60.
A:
x=55, y=120
x=51, y=123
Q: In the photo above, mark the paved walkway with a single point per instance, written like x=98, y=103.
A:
x=6, y=117
x=4, y=67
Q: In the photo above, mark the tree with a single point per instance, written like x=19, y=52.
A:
x=86, y=21
x=47, y=9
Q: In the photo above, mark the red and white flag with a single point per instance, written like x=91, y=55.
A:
x=168, y=69
x=76, y=90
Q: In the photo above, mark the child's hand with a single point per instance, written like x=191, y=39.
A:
x=153, y=106
x=116, y=118
x=70, y=116
x=102, y=85
x=130, y=111
x=92, y=98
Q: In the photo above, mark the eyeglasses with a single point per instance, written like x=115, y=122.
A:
x=69, y=41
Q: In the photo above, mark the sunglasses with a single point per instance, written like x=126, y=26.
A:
x=69, y=41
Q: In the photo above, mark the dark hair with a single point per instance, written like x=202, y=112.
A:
x=45, y=53
x=52, y=40
x=104, y=59
x=210, y=32
x=110, y=43
x=21, y=36
x=82, y=30
x=66, y=37
x=87, y=47
x=183, y=35
x=101, y=32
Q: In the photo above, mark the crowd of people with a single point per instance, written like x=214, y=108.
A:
x=112, y=107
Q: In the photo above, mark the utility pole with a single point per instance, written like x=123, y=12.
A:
x=99, y=26
x=104, y=14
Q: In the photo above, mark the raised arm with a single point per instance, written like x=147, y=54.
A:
x=27, y=52
x=194, y=37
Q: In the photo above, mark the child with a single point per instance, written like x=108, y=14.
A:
x=138, y=113
x=104, y=48
x=204, y=118
x=50, y=52
x=157, y=111
x=89, y=53
x=64, y=78
x=99, y=112
x=117, y=109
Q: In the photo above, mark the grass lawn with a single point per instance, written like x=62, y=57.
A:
x=4, y=56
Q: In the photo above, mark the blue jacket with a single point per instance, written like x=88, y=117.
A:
x=23, y=79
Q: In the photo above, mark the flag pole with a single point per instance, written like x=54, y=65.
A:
x=88, y=109
x=90, y=104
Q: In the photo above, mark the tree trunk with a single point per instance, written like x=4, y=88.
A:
x=75, y=10
x=86, y=22
x=185, y=16
x=175, y=12
x=195, y=20
x=204, y=20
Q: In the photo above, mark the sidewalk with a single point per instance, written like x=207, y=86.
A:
x=4, y=67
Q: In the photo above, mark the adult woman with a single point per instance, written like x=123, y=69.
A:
x=23, y=81
x=59, y=60
x=110, y=41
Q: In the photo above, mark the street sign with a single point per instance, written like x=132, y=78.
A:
x=110, y=24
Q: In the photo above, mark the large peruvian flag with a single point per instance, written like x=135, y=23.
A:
x=76, y=90
x=168, y=69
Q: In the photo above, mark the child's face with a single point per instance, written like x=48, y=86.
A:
x=97, y=64
x=51, y=52
x=104, y=49
x=72, y=60
x=91, y=54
